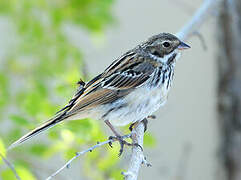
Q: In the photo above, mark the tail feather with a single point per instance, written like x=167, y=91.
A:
x=48, y=124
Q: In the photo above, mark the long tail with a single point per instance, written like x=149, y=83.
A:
x=60, y=116
x=48, y=124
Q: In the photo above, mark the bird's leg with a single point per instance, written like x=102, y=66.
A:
x=132, y=126
x=151, y=117
x=144, y=121
x=112, y=128
x=118, y=138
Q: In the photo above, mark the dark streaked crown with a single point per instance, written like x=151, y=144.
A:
x=161, y=44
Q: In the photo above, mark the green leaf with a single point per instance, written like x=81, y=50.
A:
x=149, y=140
x=19, y=120
x=116, y=174
x=32, y=103
x=23, y=173
x=2, y=150
x=110, y=159
x=38, y=149
x=80, y=128
x=69, y=153
x=54, y=134
x=67, y=136
x=7, y=175
x=4, y=93
x=13, y=134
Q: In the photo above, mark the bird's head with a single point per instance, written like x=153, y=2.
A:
x=164, y=47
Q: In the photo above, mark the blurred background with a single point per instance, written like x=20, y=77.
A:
x=46, y=46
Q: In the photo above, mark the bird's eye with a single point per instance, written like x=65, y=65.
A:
x=166, y=44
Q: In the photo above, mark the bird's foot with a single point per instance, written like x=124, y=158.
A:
x=144, y=121
x=122, y=142
x=151, y=117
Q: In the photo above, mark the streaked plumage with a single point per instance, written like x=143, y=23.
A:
x=130, y=89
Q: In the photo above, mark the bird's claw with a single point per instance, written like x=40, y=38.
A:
x=138, y=145
x=110, y=143
x=122, y=143
x=131, y=126
x=144, y=121
x=151, y=117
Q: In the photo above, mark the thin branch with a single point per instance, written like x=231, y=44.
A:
x=198, y=19
x=137, y=157
x=36, y=167
x=202, y=40
x=10, y=166
x=99, y=144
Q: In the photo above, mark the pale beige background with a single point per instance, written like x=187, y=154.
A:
x=186, y=128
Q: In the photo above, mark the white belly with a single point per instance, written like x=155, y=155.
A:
x=137, y=105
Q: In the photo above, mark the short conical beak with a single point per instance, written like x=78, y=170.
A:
x=183, y=46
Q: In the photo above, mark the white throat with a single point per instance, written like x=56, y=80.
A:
x=165, y=59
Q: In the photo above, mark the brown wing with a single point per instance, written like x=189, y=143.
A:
x=125, y=80
x=108, y=90
x=119, y=79
x=82, y=87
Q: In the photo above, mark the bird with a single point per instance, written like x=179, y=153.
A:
x=130, y=89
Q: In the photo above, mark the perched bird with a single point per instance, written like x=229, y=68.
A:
x=133, y=87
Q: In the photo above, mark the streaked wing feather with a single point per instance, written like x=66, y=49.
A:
x=79, y=92
x=125, y=80
x=101, y=96
x=118, y=80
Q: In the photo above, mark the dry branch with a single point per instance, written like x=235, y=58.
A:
x=99, y=144
x=207, y=8
x=137, y=157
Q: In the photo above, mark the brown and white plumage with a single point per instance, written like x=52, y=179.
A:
x=131, y=88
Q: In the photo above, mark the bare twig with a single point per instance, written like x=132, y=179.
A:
x=202, y=40
x=198, y=19
x=10, y=166
x=84, y=70
x=137, y=157
x=99, y=144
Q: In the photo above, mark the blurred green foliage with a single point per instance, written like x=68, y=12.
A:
x=44, y=66
x=2, y=150
x=39, y=70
